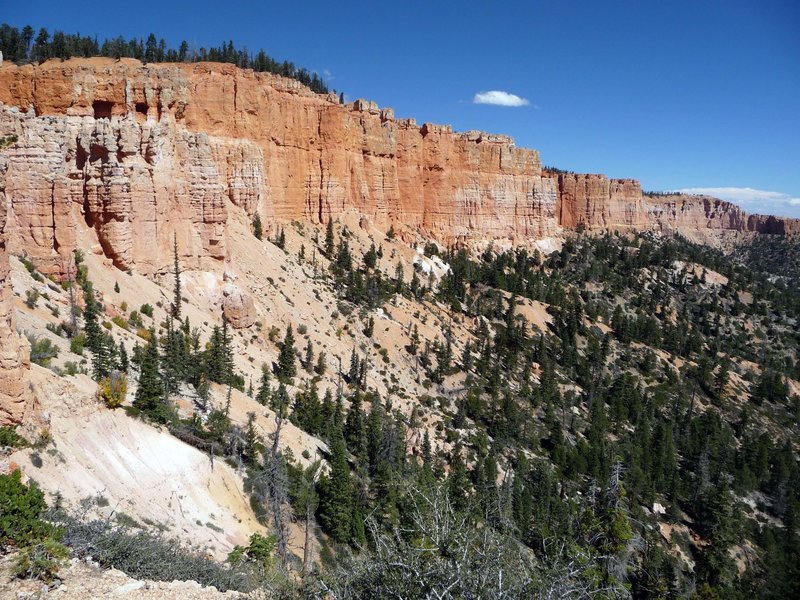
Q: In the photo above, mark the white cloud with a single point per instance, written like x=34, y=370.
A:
x=499, y=98
x=327, y=75
x=754, y=201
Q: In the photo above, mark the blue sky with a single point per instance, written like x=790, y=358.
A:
x=687, y=94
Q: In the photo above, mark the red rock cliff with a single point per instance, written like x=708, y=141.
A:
x=599, y=203
x=136, y=152
x=13, y=356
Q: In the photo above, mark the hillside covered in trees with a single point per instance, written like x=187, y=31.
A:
x=617, y=418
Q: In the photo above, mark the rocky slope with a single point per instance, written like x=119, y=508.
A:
x=79, y=580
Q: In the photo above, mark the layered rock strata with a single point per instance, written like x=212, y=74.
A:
x=596, y=202
x=14, y=401
x=138, y=152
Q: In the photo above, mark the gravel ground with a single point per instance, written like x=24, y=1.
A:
x=83, y=581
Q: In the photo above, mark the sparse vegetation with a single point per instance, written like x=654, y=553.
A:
x=42, y=350
x=146, y=555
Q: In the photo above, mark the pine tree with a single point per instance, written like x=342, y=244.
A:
x=177, y=298
x=427, y=459
x=371, y=257
x=354, y=427
x=721, y=379
x=280, y=400
x=124, y=363
x=214, y=366
x=287, y=367
x=326, y=413
x=308, y=363
x=353, y=374
x=336, y=492
x=258, y=228
x=90, y=318
x=313, y=407
x=369, y=328
x=104, y=359
x=458, y=480
x=375, y=432
x=320, y=368
x=329, y=239
x=398, y=278
x=227, y=353
x=264, y=392
x=150, y=393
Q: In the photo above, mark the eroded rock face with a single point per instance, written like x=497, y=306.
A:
x=127, y=155
x=599, y=203
x=13, y=355
x=136, y=152
x=238, y=307
x=133, y=183
x=695, y=212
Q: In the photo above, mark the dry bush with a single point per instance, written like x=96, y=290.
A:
x=113, y=389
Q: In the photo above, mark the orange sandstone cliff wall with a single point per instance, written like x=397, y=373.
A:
x=137, y=152
x=13, y=356
x=599, y=203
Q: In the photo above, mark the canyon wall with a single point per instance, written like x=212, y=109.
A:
x=684, y=212
x=599, y=203
x=13, y=355
x=131, y=153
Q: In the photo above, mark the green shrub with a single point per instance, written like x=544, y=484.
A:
x=31, y=268
x=120, y=322
x=71, y=368
x=259, y=551
x=31, y=297
x=40, y=561
x=10, y=438
x=146, y=309
x=55, y=328
x=21, y=505
x=42, y=350
x=78, y=343
x=135, y=319
x=146, y=555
